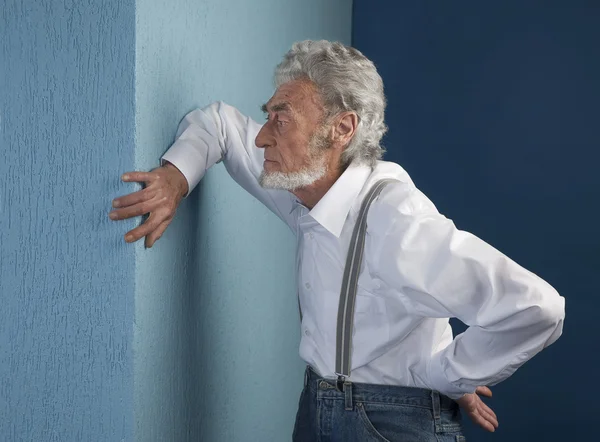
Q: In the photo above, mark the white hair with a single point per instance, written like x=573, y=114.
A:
x=346, y=81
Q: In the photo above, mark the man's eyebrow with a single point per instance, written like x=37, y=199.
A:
x=279, y=107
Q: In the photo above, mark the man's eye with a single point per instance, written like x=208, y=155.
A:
x=281, y=123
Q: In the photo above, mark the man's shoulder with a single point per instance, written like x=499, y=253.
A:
x=390, y=169
x=400, y=198
x=396, y=191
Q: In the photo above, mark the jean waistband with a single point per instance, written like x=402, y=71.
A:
x=388, y=394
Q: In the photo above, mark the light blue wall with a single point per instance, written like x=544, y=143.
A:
x=66, y=276
x=216, y=339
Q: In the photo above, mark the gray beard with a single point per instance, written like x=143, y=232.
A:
x=293, y=180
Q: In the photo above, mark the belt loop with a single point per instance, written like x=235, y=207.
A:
x=437, y=413
x=348, y=395
x=306, y=373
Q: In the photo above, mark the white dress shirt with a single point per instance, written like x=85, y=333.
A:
x=418, y=271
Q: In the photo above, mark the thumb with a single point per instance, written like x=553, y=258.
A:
x=484, y=391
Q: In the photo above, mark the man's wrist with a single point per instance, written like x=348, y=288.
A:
x=438, y=380
x=180, y=178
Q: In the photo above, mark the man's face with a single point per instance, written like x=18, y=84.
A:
x=293, y=137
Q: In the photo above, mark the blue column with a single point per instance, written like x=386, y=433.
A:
x=66, y=277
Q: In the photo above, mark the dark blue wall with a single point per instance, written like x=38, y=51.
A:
x=494, y=111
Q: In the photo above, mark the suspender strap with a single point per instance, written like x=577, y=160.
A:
x=345, y=320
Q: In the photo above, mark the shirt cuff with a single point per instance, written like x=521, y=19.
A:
x=439, y=382
x=189, y=162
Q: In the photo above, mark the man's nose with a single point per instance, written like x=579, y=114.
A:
x=262, y=138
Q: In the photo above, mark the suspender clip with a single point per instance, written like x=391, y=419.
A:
x=341, y=381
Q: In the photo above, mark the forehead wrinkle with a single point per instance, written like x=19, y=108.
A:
x=304, y=93
x=309, y=91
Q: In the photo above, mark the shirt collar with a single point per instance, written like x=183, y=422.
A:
x=332, y=210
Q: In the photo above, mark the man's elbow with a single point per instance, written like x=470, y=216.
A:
x=551, y=314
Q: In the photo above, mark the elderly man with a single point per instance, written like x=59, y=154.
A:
x=380, y=270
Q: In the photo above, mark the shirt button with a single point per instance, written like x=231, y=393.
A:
x=307, y=285
x=311, y=235
x=306, y=332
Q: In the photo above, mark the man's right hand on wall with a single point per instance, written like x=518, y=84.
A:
x=164, y=189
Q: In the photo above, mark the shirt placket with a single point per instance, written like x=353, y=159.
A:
x=305, y=274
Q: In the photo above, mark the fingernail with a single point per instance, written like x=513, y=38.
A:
x=129, y=238
x=112, y=215
x=125, y=177
x=116, y=203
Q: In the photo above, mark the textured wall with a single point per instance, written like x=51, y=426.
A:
x=165, y=374
x=493, y=109
x=216, y=339
x=66, y=276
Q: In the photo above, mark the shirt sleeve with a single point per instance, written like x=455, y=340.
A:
x=440, y=271
x=220, y=132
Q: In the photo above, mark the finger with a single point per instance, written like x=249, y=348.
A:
x=134, y=198
x=493, y=422
x=482, y=422
x=156, y=234
x=135, y=210
x=138, y=177
x=145, y=229
x=484, y=391
x=483, y=406
x=488, y=414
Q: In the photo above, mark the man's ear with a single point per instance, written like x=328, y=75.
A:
x=345, y=127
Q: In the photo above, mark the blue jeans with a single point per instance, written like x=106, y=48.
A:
x=374, y=413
